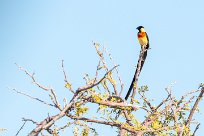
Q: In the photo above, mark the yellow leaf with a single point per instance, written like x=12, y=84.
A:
x=110, y=74
x=135, y=101
x=134, y=86
x=55, y=133
x=68, y=85
x=81, y=110
x=186, y=129
x=156, y=125
x=97, y=45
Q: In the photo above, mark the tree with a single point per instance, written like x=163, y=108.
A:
x=172, y=116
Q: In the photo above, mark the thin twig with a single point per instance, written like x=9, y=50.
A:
x=65, y=77
x=101, y=56
x=164, y=101
x=40, y=85
x=34, y=98
x=130, y=129
x=197, y=127
x=118, y=75
x=155, y=110
x=65, y=126
x=21, y=128
x=55, y=98
x=94, y=84
x=30, y=120
x=185, y=104
x=33, y=79
x=186, y=95
x=146, y=101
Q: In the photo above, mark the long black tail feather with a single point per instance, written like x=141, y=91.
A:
x=137, y=70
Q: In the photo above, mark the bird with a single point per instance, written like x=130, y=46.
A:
x=144, y=43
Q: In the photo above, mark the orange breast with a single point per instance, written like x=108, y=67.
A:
x=141, y=34
x=142, y=38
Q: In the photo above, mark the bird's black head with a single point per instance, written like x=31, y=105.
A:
x=140, y=27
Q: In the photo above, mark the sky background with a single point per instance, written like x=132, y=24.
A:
x=38, y=34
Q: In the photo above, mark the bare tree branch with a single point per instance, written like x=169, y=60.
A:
x=111, y=104
x=48, y=122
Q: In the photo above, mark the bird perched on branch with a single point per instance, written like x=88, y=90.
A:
x=144, y=42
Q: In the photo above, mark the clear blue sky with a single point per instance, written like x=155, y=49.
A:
x=38, y=34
